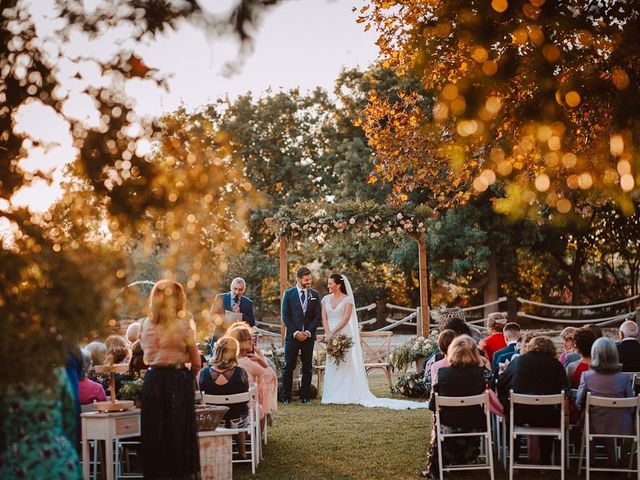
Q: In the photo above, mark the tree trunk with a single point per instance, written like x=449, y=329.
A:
x=490, y=289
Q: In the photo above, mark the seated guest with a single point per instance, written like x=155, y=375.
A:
x=448, y=319
x=583, y=340
x=569, y=354
x=133, y=332
x=464, y=377
x=535, y=371
x=225, y=377
x=117, y=353
x=595, y=329
x=511, y=332
x=136, y=362
x=605, y=379
x=502, y=357
x=253, y=361
x=444, y=340
x=98, y=353
x=628, y=347
x=117, y=345
x=495, y=341
x=88, y=390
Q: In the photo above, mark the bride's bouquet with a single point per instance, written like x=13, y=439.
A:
x=338, y=347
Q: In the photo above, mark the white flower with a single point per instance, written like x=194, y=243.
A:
x=352, y=220
x=399, y=229
x=421, y=225
x=325, y=227
x=387, y=229
x=412, y=385
x=399, y=216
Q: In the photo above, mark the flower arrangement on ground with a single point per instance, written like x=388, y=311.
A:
x=276, y=356
x=338, y=347
x=411, y=385
x=414, y=350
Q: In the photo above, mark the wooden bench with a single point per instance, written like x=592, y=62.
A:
x=376, y=350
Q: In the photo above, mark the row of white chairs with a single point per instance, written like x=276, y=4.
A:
x=255, y=434
x=558, y=433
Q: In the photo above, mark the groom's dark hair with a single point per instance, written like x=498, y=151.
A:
x=302, y=271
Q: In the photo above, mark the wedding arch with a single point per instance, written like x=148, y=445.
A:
x=360, y=219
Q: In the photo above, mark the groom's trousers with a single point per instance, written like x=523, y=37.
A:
x=292, y=348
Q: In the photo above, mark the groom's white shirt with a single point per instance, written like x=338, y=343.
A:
x=304, y=305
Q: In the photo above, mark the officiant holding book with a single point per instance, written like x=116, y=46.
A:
x=231, y=307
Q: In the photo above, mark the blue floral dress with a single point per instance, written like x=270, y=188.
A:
x=37, y=425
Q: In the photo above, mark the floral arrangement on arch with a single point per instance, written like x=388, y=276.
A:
x=360, y=218
x=414, y=350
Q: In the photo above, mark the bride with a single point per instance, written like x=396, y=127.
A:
x=347, y=382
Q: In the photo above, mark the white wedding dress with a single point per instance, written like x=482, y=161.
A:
x=347, y=382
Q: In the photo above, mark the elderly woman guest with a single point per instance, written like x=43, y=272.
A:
x=253, y=361
x=133, y=332
x=464, y=377
x=535, y=371
x=583, y=340
x=495, y=341
x=169, y=442
x=605, y=379
x=88, y=390
x=225, y=377
x=98, y=352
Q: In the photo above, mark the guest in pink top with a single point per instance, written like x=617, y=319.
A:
x=255, y=363
x=88, y=390
x=444, y=340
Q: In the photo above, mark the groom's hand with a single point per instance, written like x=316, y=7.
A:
x=300, y=336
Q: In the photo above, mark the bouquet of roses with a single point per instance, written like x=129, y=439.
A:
x=338, y=347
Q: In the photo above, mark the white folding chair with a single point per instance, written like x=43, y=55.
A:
x=253, y=391
x=453, y=402
x=251, y=430
x=589, y=435
x=517, y=430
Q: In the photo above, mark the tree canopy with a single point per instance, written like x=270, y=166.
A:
x=532, y=95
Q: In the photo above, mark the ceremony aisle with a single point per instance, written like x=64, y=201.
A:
x=344, y=442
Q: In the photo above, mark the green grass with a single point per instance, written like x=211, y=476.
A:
x=309, y=442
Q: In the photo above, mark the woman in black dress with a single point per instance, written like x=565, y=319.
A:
x=169, y=436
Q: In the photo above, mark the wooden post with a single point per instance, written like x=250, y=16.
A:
x=423, y=311
x=284, y=278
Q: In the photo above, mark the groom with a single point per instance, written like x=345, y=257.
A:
x=301, y=314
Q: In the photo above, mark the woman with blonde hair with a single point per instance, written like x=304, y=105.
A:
x=169, y=441
x=254, y=362
x=465, y=376
x=224, y=377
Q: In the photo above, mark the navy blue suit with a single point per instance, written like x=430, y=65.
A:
x=223, y=302
x=297, y=320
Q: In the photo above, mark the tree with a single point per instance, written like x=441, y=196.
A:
x=57, y=279
x=533, y=93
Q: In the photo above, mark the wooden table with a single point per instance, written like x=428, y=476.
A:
x=216, y=453
x=108, y=427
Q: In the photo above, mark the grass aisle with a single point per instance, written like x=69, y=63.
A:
x=344, y=442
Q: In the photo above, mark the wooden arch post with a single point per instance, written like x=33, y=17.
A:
x=423, y=310
x=284, y=281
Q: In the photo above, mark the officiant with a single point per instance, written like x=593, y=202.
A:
x=230, y=307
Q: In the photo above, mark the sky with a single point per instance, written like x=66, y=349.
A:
x=299, y=43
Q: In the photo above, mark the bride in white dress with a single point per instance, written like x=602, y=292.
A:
x=347, y=382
